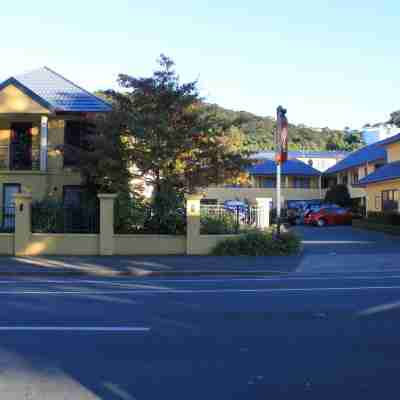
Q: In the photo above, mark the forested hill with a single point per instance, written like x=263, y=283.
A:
x=256, y=133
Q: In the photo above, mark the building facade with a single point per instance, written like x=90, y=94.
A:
x=382, y=187
x=42, y=114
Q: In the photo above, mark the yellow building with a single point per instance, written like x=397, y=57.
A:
x=355, y=167
x=382, y=187
x=42, y=115
x=300, y=181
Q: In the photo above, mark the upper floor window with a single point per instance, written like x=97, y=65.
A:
x=302, y=183
x=21, y=146
x=268, y=183
x=354, y=177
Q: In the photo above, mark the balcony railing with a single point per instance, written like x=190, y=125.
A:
x=30, y=162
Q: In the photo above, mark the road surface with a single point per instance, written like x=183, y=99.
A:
x=311, y=337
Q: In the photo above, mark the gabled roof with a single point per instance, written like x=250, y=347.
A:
x=56, y=93
x=385, y=173
x=370, y=153
x=290, y=167
x=270, y=154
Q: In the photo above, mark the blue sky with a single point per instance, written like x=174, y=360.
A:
x=331, y=63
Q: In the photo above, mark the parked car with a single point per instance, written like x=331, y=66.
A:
x=296, y=215
x=329, y=215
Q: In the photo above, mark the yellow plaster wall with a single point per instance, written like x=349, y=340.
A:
x=149, y=244
x=13, y=100
x=62, y=244
x=374, y=191
x=393, y=152
x=56, y=130
x=6, y=244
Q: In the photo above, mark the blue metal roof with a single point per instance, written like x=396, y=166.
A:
x=390, y=140
x=290, y=167
x=385, y=173
x=57, y=93
x=370, y=153
x=270, y=154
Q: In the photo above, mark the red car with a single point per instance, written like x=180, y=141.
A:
x=329, y=215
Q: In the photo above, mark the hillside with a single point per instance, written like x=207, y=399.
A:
x=257, y=133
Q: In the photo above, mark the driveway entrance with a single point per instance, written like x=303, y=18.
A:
x=344, y=248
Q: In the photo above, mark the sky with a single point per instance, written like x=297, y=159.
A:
x=331, y=63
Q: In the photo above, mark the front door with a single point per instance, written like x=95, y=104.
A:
x=21, y=146
x=9, y=190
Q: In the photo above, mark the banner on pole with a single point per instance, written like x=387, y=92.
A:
x=281, y=135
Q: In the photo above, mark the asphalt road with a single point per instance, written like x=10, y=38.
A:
x=300, y=337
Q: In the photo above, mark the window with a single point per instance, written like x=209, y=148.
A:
x=74, y=137
x=302, y=183
x=354, y=177
x=390, y=200
x=378, y=202
x=21, y=146
x=268, y=183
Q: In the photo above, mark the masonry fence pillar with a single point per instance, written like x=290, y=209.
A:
x=263, y=205
x=23, y=230
x=106, y=243
x=193, y=222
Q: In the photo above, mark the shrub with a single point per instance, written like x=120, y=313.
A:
x=386, y=218
x=258, y=243
x=224, y=224
x=129, y=214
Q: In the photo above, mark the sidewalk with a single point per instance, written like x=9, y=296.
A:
x=115, y=266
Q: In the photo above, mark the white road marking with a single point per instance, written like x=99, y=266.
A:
x=77, y=328
x=192, y=291
x=143, y=283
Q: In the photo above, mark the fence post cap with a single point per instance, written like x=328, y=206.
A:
x=107, y=195
x=23, y=196
x=194, y=196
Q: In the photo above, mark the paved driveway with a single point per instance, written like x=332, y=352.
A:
x=344, y=248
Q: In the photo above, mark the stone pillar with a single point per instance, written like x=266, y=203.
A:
x=43, y=142
x=22, y=236
x=192, y=222
x=106, y=243
x=263, y=205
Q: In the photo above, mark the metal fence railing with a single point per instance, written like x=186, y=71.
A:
x=232, y=218
x=65, y=220
x=7, y=219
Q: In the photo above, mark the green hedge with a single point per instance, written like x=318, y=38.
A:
x=257, y=243
x=373, y=226
x=385, y=218
x=212, y=225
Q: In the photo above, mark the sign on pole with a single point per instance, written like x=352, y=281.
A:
x=281, y=151
x=281, y=135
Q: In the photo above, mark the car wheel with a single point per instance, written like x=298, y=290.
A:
x=321, y=223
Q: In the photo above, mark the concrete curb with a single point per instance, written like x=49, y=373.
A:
x=144, y=274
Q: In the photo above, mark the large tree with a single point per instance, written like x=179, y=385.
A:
x=395, y=118
x=102, y=156
x=176, y=142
